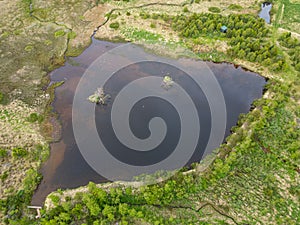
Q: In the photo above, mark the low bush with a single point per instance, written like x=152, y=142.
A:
x=33, y=117
x=19, y=152
x=3, y=153
x=114, y=25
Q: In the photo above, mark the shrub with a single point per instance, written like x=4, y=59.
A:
x=214, y=9
x=155, y=16
x=33, y=117
x=144, y=15
x=185, y=9
x=55, y=199
x=3, y=153
x=114, y=25
x=19, y=152
x=4, y=176
x=153, y=25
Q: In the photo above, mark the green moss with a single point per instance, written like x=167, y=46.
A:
x=144, y=15
x=3, y=153
x=59, y=33
x=17, y=32
x=4, y=176
x=235, y=7
x=48, y=42
x=4, y=35
x=28, y=48
x=42, y=13
x=4, y=100
x=214, y=9
x=75, y=51
x=153, y=25
x=114, y=25
x=34, y=117
x=113, y=16
x=185, y=9
x=140, y=34
x=71, y=35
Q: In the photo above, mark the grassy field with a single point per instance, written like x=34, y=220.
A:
x=287, y=15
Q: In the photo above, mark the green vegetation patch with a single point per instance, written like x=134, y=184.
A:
x=59, y=33
x=245, y=34
x=249, y=179
x=235, y=7
x=293, y=45
x=28, y=48
x=140, y=34
x=34, y=117
x=214, y=9
x=71, y=35
x=3, y=153
x=288, y=16
x=1, y=97
x=19, y=152
x=114, y=25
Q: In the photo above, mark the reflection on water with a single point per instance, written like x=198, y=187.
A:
x=265, y=11
x=66, y=168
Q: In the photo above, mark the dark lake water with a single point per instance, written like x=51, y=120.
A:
x=66, y=168
x=265, y=11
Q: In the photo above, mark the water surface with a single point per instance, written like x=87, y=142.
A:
x=66, y=167
x=265, y=11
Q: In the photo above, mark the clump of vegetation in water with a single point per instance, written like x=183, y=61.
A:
x=99, y=97
x=167, y=82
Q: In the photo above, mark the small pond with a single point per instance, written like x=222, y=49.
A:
x=66, y=167
x=265, y=11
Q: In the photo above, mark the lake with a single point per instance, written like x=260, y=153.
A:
x=66, y=167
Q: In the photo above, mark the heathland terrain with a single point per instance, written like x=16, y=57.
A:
x=254, y=177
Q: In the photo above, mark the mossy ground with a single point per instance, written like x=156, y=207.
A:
x=286, y=15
